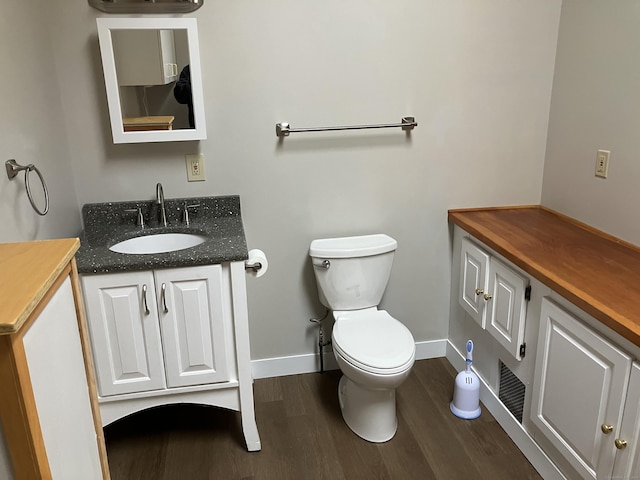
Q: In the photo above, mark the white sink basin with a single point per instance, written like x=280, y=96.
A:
x=159, y=243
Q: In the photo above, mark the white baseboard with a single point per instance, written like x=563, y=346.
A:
x=309, y=363
x=540, y=461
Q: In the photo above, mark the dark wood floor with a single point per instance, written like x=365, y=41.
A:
x=304, y=437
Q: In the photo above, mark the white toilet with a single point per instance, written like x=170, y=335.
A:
x=374, y=350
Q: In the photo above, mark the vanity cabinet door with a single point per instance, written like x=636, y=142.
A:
x=474, y=278
x=191, y=310
x=579, y=388
x=125, y=335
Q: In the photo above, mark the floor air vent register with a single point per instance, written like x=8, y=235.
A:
x=511, y=391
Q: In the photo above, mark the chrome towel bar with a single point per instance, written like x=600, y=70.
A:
x=284, y=129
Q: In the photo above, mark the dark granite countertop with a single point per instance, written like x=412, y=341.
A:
x=106, y=224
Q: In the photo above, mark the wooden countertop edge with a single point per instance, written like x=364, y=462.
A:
x=608, y=316
x=68, y=248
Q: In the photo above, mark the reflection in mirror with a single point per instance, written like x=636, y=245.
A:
x=146, y=6
x=152, y=76
x=148, y=65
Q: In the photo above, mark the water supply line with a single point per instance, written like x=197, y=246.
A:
x=321, y=341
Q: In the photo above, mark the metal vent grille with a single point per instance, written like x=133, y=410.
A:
x=511, y=391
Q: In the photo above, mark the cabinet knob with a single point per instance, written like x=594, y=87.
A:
x=620, y=444
x=488, y=296
x=479, y=291
x=606, y=429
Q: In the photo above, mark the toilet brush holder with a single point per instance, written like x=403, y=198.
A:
x=466, y=392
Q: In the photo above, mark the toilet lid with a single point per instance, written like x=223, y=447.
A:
x=373, y=340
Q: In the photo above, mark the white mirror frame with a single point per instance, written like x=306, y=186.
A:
x=105, y=26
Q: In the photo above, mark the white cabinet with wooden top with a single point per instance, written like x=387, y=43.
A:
x=48, y=403
x=580, y=415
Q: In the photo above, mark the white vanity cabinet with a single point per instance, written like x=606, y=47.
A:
x=579, y=394
x=494, y=295
x=175, y=335
x=153, y=330
x=145, y=57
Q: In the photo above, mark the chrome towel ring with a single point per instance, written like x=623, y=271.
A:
x=13, y=169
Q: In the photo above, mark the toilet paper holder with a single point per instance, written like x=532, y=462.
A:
x=256, y=267
x=256, y=263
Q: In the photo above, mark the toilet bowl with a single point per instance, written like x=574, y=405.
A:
x=374, y=351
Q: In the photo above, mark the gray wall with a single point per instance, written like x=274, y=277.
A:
x=32, y=126
x=477, y=76
x=595, y=105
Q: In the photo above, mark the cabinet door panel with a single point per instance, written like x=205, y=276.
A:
x=192, y=325
x=507, y=306
x=473, y=281
x=58, y=378
x=125, y=335
x=579, y=383
x=627, y=461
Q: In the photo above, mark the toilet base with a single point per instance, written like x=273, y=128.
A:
x=370, y=414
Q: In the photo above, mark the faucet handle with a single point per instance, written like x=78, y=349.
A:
x=140, y=219
x=185, y=212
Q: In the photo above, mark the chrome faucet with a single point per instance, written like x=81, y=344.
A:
x=160, y=201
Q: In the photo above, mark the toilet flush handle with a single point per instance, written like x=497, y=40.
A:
x=325, y=264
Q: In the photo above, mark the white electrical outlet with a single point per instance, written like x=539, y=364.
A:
x=195, y=167
x=602, y=163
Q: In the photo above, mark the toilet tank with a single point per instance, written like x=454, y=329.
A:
x=352, y=272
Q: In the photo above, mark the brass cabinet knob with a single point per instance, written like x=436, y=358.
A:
x=606, y=429
x=620, y=444
x=479, y=291
x=487, y=296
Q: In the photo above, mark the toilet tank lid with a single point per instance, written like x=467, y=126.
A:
x=347, y=247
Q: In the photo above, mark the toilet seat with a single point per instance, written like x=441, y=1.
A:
x=373, y=341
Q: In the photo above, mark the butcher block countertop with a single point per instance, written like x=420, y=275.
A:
x=27, y=271
x=593, y=270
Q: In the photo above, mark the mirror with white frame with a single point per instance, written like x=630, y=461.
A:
x=153, y=79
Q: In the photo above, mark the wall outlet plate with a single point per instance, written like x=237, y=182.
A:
x=602, y=163
x=195, y=167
